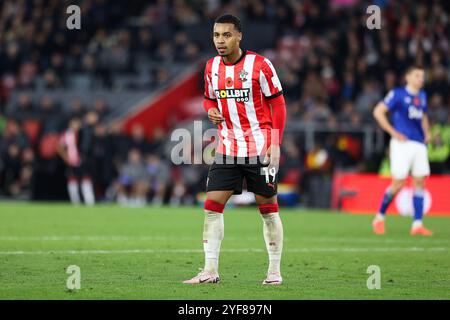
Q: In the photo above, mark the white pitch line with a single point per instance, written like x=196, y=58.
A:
x=176, y=238
x=94, y=238
x=376, y=239
x=299, y=250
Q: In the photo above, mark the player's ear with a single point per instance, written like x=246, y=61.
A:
x=239, y=36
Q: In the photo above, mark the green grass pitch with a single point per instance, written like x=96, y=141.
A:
x=126, y=253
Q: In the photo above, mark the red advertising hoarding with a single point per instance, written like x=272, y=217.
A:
x=362, y=193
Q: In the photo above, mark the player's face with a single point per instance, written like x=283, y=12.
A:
x=416, y=78
x=226, y=38
x=75, y=124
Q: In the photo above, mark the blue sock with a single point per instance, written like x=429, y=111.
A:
x=418, y=204
x=387, y=199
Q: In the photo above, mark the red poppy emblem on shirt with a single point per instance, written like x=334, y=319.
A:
x=229, y=82
x=416, y=101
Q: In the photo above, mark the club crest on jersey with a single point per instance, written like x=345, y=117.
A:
x=243, y=75
x=414, y=113
x=241, y=95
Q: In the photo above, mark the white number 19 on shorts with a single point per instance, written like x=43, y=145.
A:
x=269, y=172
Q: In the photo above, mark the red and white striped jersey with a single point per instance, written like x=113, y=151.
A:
x=242, y=91
x=69, y=141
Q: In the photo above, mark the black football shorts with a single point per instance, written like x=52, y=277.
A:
x=84, y=170
x=228, y=173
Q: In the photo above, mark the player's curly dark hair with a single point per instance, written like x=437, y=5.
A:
x=228, y=18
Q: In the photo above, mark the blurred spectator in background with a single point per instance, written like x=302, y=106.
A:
x=101, y=108
x=187, y=183
x=13, y=134
x=132, y=185
x=347, y=111
x=119, y=143
x=17, y=163
x=76, y=109
x=366, y=100
x=317, y=112
x=159, y=178
x=437, y=110
x=24, y=108
x=138, y=139
x=12, y=165
x=157, y=142
x=50, y=115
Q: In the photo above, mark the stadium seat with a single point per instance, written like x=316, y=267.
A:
x=32, y=128
x=48, y=146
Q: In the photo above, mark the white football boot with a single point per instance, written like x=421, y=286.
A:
x=273, y=278
x=203, y=277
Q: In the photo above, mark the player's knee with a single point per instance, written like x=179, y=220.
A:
x=419, y=183
x=260, y=199
x=268, y=208
x=72, y=180
x=397, y=185
x=214, y=206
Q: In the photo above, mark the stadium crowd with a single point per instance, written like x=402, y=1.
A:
x=332, y=67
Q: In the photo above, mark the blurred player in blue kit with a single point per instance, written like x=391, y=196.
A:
x=409, y=131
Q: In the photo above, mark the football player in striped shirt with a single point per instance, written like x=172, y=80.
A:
x=69, y=150
x=244, y=98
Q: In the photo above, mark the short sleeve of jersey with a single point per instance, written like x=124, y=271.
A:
x=209, y=91
x=268, y=79
x=391, y=99
x=424, y=102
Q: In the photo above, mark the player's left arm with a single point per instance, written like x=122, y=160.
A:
x=278, y=106
x=426, y=128
x=425, y=122
x=61, y=149
x=273, y=92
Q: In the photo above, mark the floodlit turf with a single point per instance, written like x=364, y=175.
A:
x=127, y=253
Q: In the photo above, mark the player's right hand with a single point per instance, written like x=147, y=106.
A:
x=215, y=116
x=273, y=157
x=397, y=135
